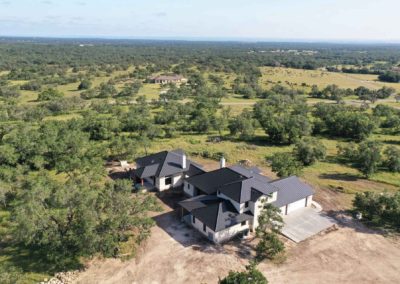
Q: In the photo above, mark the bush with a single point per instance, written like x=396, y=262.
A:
x=284, y=165
x=392, y=161
x=366, y=157
x=251, y=276
x=89, y=94
x=269, y=246
x=50, y=94
x=309, y=150
x=381, y=210
x=31, y=86
x=391, y=77
x=85, y=85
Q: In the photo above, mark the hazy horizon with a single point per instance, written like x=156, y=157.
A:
x=238, y=20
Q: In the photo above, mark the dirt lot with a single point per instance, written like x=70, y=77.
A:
x=177, y=254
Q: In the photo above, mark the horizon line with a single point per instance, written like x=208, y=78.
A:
x=208, y=39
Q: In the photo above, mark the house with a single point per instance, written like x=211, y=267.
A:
x=225, y=202
x=166, y=79
x=164, y=170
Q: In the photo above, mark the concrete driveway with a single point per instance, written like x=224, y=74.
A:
x=304, y=223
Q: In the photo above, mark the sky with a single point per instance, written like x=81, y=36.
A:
x=309, y=20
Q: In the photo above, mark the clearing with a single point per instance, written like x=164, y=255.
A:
x=175, y=253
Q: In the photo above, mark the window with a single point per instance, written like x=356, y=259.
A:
x=246, y=204
x=244, y=223
x=168, y=180
x=193, y=219
x=204, y=227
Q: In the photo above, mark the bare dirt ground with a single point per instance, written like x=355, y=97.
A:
x=177, y=254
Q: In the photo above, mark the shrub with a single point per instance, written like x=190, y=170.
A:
x=309, y=150
x=251, y=276
x=381, y=210
x=284, y=165
x=50, y=94
x=85, y=85
x=392, y=161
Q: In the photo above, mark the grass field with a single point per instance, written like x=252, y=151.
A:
x=295, y=77
x=328, y=174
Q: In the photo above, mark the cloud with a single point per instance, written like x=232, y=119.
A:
x=80, y=3
x=5, y=3
x=47, y=2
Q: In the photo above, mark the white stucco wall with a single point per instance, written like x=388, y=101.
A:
x=273, y=197
x=309, y=200
x=297, y=205
x=177, y=180
x=220, y=236
x=199, y=226
x=230, y=232
x=256, y=208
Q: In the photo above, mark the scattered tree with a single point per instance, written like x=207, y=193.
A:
x=285, y=165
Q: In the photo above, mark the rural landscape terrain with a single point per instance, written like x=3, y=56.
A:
x=71, y=110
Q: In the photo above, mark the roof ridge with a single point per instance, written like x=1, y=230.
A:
x=285, y=178
x=162, y=163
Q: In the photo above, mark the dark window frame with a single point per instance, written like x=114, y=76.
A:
x=168, y=180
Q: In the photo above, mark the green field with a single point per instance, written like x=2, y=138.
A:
x=295, y=77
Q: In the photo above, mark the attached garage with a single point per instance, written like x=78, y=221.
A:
x=295, y=205
x=292, y=195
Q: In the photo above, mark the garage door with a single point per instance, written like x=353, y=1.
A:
x=296, y=205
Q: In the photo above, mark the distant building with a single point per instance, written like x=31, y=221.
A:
x=166, y=79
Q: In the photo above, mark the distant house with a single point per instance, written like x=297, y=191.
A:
x=166, y=79
x=225, y=202
x=164, y=170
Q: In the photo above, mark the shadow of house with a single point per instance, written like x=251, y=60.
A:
x=181, y=232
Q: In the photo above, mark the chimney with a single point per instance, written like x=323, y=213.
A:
x=222, y=162
x=183, y=161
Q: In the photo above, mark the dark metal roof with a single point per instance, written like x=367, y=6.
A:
x=199, y=201
x=250, y=172
x=148, y=171
x=165, y=164
x=210, y=181
x=244, y=190
x=291, y=189
x=217, y=213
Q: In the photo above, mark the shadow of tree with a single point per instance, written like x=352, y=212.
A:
x=345, y=219
x=340, y=176
x=34, y=260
